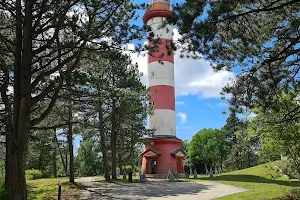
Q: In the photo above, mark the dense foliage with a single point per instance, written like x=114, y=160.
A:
x=41, y=45
x=259, y=42
x=210, y=147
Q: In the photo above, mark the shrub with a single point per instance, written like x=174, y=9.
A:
x=33, y=174
x=4, y=194
x=272, y=172
x=46, y=174
x=289, y=169
x=2, y=177
x=293, y=194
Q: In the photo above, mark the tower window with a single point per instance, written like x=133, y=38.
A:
x=153, y=104
x=152, y=73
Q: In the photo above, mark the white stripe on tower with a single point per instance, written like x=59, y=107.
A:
x=160, y=32
x=161, y=76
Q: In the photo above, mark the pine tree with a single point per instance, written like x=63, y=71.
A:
x=49, y=39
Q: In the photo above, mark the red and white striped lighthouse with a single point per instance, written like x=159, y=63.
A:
x=162, y=151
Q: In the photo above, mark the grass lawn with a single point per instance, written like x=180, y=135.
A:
x=46, y=189
x=257, y=181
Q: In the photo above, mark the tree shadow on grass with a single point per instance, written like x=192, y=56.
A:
x=253, y=179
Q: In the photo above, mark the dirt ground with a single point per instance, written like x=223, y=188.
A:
x=155, y=190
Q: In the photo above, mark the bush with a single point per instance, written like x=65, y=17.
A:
x=46, y=174
x=272, y=172
x=33, y=174
x=4, y=194
x=290, y=170
x=2, y=177
x=293, y=194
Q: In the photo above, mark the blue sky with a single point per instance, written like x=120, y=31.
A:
x=201, y=113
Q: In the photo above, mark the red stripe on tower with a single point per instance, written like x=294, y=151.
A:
x=160, y=51
x=163, y=97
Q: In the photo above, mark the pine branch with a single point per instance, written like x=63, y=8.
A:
x=36, y=121
x=54, y=126
x=265, y=9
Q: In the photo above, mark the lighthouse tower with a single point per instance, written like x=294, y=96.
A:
x=162, y=152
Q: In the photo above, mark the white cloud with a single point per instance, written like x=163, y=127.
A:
x=79, y=11
x=179, y=103
x=140, y=59
x=183, y=117
x=192, y=77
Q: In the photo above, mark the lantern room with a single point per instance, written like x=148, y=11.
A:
x=156, y=8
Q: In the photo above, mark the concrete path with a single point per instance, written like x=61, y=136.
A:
x=155, y=190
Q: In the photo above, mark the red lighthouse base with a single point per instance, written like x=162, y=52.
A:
x=162, y=154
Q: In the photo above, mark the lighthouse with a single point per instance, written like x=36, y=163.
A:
x=162, y=153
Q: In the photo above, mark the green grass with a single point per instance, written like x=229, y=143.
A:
x=46, y=189
x=258, y=181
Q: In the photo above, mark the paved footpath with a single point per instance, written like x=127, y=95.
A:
x=155, y=190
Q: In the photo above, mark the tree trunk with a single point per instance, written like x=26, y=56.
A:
x=54, y=155
x=132, y=162
x=60, y=153
x=67, y=163
x=70, y=138
x=41, y=160
x=221, y=164
x=54, y=163
x=102, y=143
x=18, y=139
x=71, y=156
x=41, y=157
x=120, y=163
x=206, y=170
x=16, y=172
x=113, y=143
x=132, y=143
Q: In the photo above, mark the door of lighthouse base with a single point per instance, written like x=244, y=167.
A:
x=179, y=165
x=151, y=166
